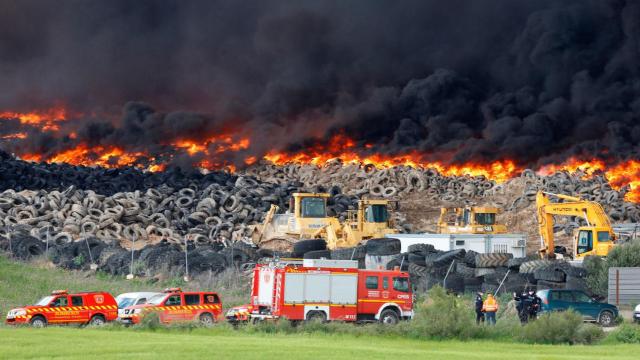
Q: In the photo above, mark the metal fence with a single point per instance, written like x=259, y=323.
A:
x=624, y=285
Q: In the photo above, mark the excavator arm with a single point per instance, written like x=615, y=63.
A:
x=591, y=211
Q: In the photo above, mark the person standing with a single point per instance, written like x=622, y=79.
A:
x=490, y=307
x=534, y=305
x=479, y=313
x=520, y=306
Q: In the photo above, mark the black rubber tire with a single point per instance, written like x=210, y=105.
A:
x=403, y=265
x=492, y=259
x=25, y=247
x=389, y=317
x=465, y=271
x=420, y=248
x=496, y=276
x=549, y=274
x=533, y=265
x=470, y=258
x=316, y=316
x=454, y=283
x=489, y=288
x=206, y=260
x=606, y=318
x=544, y=284
x=97, y=320
x=265, y=253
x=570, y=270
x=206, y=319
x=354, y=253
x=417, y=258
x=417, y=270
x=514, y=264
x=383, y=246
x=576, y=283
x=317, y=254
x=445, y=258
x=304, y=246
x=38, y=321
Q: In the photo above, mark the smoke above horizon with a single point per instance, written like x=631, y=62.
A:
x=221, y=82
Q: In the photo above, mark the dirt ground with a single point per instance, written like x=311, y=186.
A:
x=423, y=212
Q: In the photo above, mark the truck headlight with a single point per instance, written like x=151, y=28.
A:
x=16, y=312
x=232, y=312
x=137, y=311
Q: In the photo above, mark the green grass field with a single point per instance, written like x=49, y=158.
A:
x=22, y=284
x=74, y=343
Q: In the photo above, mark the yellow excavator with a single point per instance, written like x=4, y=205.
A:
x=470, y=220
x=307, y=218
x=597, y=238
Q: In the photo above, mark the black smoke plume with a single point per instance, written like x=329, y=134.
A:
x=533, y=81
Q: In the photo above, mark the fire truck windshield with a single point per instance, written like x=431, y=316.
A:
x=44, y=301
x=157, y=299
x=401, y=284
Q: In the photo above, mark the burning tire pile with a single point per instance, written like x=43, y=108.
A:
x=71, y=209
x=83, y=216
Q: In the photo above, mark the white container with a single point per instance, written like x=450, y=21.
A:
x=515, y=244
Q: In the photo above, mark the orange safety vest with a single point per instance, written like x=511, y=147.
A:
x=490, y=305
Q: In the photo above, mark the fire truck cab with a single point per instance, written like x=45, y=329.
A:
x=174, y=305
x=326, y=290
x=60, y=307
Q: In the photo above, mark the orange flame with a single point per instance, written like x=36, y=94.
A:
x=340, y=147
x=46, y=118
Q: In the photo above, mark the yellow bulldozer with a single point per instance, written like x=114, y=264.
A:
x=469, y=220
x=597, y=238
x=307, y=218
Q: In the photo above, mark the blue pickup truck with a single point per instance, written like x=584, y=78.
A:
x=580, y=302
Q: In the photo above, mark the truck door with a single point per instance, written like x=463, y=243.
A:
x=60, y=313
x=369, y=298
x=191, y=308
x=79, y=313
x=173, y=313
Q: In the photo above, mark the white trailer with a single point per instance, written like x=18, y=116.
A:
x=515, y=244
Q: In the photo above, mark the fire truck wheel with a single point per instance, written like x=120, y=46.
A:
x=389, y=317
x=206, y=319
x=97, y=320
x=316, y=316
x=38, y=321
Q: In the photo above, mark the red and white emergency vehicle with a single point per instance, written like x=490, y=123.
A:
x=174, y=305
x=60, y=307
x=326, y=290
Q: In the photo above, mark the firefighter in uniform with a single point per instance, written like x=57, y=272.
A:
x=479, y=313
x=535, y=303
x=490, y=307
x=520, y=306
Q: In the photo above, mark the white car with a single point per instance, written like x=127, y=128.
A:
x=133, y=298
x=636, y=314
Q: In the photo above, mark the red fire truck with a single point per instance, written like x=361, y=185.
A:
x=94, y=308
x=324, y=290
x=176, y=306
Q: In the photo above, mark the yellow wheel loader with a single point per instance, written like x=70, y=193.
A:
x=307, y=218
x=470, y=220
x=597, y=238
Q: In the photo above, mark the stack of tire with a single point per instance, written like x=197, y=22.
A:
x=468, y=271
x=109, y=257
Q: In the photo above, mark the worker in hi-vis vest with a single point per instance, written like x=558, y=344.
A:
x=490, y=307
